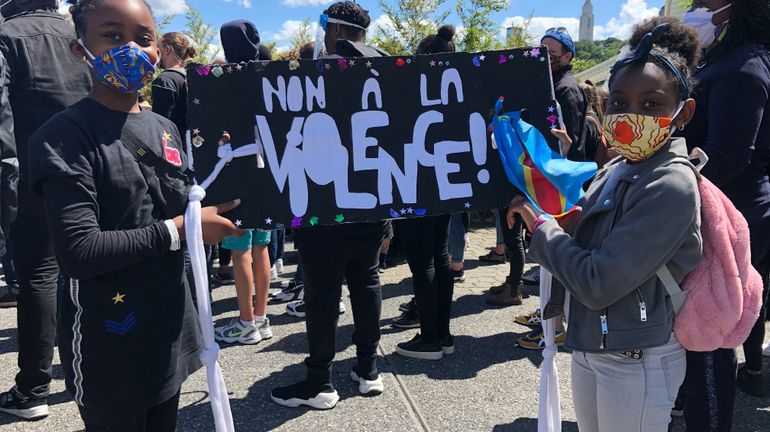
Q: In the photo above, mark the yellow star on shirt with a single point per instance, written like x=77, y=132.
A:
x=118, y=298
x=166, y=136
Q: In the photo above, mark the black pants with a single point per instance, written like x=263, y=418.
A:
x=275, y=248
x=328, y=254
x=37, y=271
x=514, y=243
x=752, y=348
x=160, y=418
x=709, y=390
x=9, y=270
x=426, y=241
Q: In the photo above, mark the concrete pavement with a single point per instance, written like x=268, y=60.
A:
x=488, y=385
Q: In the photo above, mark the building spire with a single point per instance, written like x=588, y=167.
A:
x=587, y=22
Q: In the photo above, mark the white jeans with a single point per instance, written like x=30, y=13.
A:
x=614, y=393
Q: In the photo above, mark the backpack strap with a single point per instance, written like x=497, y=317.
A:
x=675, y=292
x=146, y=159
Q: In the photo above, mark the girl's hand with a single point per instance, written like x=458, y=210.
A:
x=564, y=138
x=215, y=227
x=520, y=205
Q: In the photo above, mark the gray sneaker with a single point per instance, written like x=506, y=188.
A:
x=235, y=332
x=264, y=329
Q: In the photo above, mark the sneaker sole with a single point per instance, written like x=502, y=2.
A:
x=35, y=413
x=448, y=350
x=267, y=334
x=406, y=326
x=526, y=324
x=295, y=314
x=435, y=356
x=324, y=401
x=368, y=388
x=239, y=341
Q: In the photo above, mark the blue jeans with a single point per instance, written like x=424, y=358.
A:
x=458, y=230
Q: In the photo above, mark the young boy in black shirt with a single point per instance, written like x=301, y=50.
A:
x=114, y=182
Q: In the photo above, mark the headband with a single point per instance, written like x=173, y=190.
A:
x=643, y=53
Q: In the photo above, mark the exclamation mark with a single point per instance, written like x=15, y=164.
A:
x=478, y=128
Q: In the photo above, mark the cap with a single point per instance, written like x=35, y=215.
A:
x=562, y=36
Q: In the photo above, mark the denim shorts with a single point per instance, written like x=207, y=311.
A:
x=251, y=238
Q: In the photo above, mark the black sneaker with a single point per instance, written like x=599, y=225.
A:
x=28, y=409
x=292, y=293
x=8, y=296
x=368, y=384
x=459, y=275
x=407, y=320
x=418, y=349
x=221, y=279
x=408, y=306
x=318, y=396
x=448, y=344
x=750, y=384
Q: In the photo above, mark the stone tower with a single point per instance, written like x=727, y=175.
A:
x=587, y=22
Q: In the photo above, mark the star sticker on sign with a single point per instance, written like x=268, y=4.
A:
x=482, y=57
x=196, y=101
x=467, y=205
x=432, y=63
x=268, y=221
x=369, y=64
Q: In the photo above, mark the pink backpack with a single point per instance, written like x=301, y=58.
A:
x=719, y=301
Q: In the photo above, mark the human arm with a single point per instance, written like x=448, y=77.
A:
x=733, y=125
x=645, y=238
x=9, y=163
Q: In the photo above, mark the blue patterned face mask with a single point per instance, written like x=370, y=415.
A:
x=125, y=68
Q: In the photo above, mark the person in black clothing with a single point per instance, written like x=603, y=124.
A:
x=562, y=51
x=330, y=254
x=34, y=39
x=169, y=90
x=426, y=242
x=114, y=181
x=9, y=182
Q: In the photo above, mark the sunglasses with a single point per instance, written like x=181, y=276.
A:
x=557, y=30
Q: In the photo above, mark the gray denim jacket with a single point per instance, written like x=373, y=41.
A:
x=649, y=219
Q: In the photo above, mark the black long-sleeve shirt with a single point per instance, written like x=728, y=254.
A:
x=127, y=327
x=573, y=110
x=169, y=97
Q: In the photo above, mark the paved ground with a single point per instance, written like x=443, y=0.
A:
x=488, y=385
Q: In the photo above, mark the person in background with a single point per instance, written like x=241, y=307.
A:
x=459, y=224
x=497, y=254
x=251, y=261
x=35, y=40
x=128, y=332
x=625, y=370
x=9, y=184
x=330, y=254
x=426, y=242
x=169, y=90
x=732, y=126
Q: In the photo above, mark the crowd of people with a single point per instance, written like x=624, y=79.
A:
x=109, y=276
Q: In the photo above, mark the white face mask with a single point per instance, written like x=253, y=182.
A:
x=702, y=21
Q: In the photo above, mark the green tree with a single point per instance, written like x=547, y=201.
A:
x=479, y=31
x=202, y=36
x=303, y=35
x=519, y=35
x=590, y=54
x=412, y=20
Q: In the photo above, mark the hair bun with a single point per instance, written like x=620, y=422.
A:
x=447, y=32
x=191, y=52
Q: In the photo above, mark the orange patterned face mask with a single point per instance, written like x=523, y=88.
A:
x=637, y=137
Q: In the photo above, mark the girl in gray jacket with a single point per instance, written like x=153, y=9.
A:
x=641, y=213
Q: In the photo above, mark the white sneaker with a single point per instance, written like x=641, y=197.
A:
x=766, y=351
x=366, y=387
x=296, y=309
x=279, y=266
x=264, y=329
x=273, y=273
x=235, y=332
x=342, y=308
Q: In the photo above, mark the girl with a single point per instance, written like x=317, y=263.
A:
x=113, y=179
x=627, y=365
x=169, y=90
x=251, y=260
x=426, y=243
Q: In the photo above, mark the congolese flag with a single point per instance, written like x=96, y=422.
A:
x=550, y=181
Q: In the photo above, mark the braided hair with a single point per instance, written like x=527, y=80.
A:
x=80, y=8
x=441, y=42
x=351, y=12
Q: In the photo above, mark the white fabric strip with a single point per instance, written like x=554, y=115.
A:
x=220, y=403
x=549, y=411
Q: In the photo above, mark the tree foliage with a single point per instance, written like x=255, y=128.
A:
x=590, y=54
x=202, y=36
x=479, y=31
x=411, y=21
x=303, y=35
x=519, y=35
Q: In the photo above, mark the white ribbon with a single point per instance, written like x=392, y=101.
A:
x=549, y=411
x=220, y=403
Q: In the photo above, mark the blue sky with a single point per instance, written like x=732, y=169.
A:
x=277, y=19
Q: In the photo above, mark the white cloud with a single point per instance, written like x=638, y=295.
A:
x=168, y=7
x=283, y=37
x=300, y=3
x=244, y=3
x=631, y=13
x=382, y=24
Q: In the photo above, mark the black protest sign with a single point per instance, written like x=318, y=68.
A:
x=364, y=139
